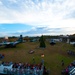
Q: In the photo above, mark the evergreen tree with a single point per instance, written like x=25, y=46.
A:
x=42, y=43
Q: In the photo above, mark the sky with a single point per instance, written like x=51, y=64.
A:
x=37, y=17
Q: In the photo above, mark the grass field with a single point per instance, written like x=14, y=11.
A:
x=53, y=55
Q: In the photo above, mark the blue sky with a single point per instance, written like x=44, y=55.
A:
x=37, y=17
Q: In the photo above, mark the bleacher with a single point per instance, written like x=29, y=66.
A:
x=21, y=69
x=70, y=70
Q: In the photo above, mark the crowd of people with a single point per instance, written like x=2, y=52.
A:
x=24, y=69
x=70, y=70
x=71, y=52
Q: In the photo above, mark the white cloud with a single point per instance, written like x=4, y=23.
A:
x=49, y=13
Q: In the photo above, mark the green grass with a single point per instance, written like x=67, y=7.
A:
x=53, y=55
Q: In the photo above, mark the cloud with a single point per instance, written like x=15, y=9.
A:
x=44, y=13
x=38, y=31
x=71, y=15
x=41, y=31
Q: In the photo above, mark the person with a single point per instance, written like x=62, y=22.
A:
x=33, y=60
x=62, y=63
x=67, y=71
x=42, y=61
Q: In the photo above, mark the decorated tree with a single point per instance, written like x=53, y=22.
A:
x=42, y=43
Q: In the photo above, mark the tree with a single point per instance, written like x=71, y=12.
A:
x=42, y=43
